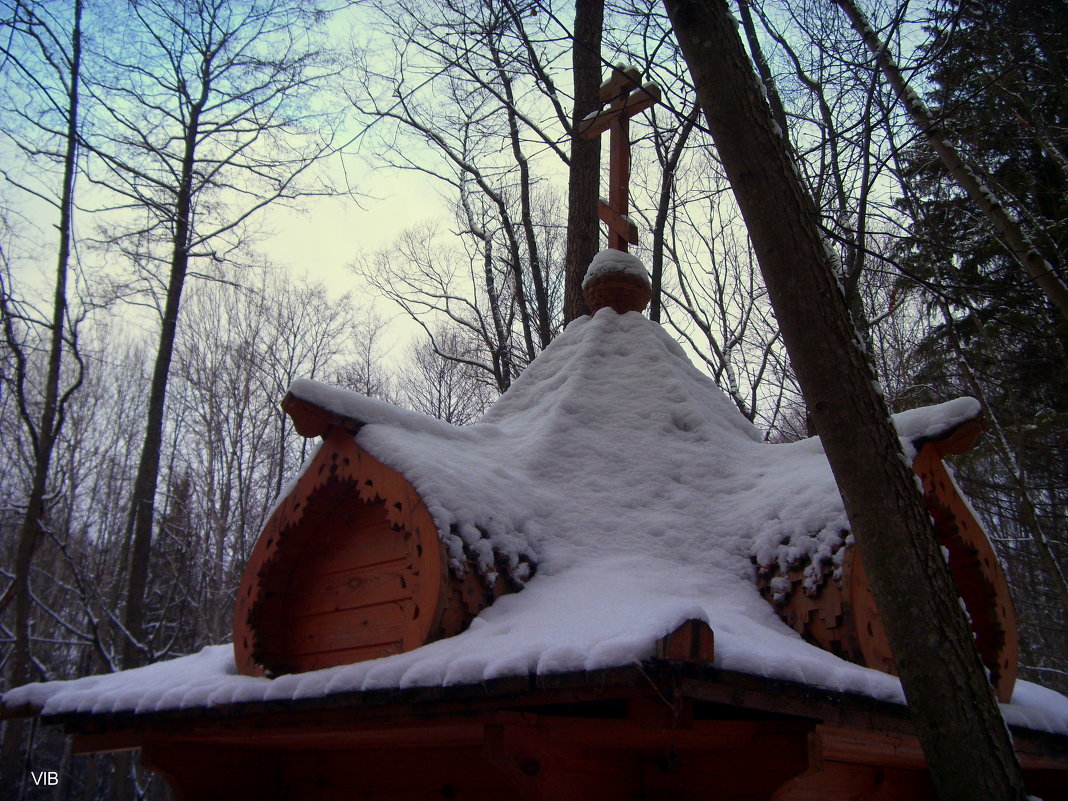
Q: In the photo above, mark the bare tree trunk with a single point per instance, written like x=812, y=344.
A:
x=142, y=504
x=666, y=196
x=583, y=184
x=964, y=738
x=766, y=77
x=541, y=298
x=1021, y=247
x=45, y=430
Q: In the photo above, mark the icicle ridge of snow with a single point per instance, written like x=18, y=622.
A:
x=640, y=493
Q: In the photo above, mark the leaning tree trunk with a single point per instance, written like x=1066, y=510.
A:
x=142, y=505
x=585, y=168
x=964, y=739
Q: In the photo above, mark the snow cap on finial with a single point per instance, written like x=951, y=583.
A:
x=616, y=279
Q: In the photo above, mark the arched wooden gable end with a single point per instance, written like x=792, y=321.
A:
x=841, y=616
x=349, y=567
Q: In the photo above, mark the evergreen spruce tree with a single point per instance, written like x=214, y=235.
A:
x=998, y=81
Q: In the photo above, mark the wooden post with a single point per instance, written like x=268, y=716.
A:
x=626, y=98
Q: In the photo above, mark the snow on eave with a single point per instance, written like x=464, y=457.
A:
x=936, y=422
x=206, y=680
x=362, y=410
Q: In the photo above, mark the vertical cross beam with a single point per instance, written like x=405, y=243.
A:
x=626, y=97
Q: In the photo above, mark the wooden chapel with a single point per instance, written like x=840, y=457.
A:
x=353, y=565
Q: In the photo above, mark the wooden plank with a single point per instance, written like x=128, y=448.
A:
x=317, y=547
x=352, y=628
x=839, y=781
x=619, y=177
x=616, y=222
x=960, y=439
x=337, y=737
x=311, y=420
x=308, y=419
x=302, y=663
x=623, y=79
x=197, y=772
x=351, y=589
x=381, y=773
x=692, y=641
x=895, y=750
x=540, y=768
x=345, y=550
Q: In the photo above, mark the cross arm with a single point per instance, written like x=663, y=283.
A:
x=633, y=103
x=623, y=80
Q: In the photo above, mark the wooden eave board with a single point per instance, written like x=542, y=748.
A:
x=312, y=420
x=383, y=715
x=956, y=439
x=703, y=682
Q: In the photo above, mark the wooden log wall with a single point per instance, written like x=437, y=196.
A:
x=349, y=567
x=841, y=615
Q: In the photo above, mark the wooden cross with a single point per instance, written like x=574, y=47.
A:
x=627, y=98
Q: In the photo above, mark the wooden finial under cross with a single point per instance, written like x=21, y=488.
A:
x=627, y=97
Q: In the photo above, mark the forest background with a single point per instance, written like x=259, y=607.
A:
x=204, y=200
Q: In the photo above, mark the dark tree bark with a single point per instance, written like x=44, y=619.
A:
x=663, y=207
x=142, y=506
x=766, y=77
x=45, y=429
x=541, y=298
x=583, y=183
x=223, y=82
x=964, y=738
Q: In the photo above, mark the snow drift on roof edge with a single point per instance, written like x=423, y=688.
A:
x=639, y=490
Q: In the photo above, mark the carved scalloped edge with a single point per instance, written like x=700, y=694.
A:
x=341, y=459
x=840, y=604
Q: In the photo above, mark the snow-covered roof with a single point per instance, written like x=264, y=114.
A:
x=640, y=493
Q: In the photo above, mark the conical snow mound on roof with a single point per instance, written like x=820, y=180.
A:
x=636, y=488
x=611, y=440
x=632, y=483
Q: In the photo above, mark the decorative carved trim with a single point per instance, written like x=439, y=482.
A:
x=343, y=487
x=841, y=615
